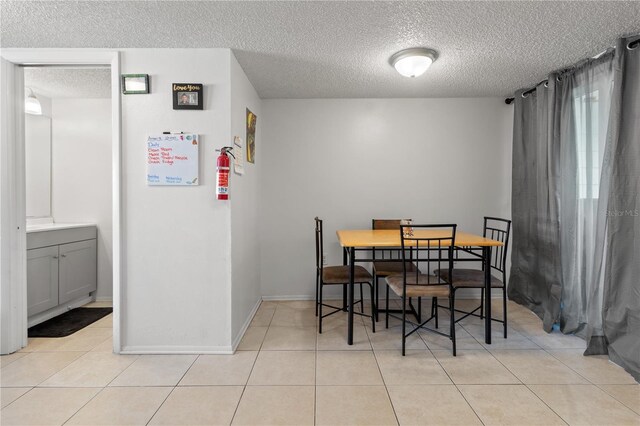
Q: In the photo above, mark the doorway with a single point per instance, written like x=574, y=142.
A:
x=23, y=67
x=68, y=201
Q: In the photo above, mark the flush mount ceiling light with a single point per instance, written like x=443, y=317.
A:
x=32, y=104
x=413, y=62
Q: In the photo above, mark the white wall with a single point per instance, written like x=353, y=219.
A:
x=244, y=199
x=351, y=160
x=81, y=174
x=177, y=260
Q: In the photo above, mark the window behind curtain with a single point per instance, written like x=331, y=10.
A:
x=590, y=114
x=585, y=110
x=583, y=211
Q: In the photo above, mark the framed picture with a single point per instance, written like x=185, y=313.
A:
x=187, y=96
x=135, y=84
x=251, y=136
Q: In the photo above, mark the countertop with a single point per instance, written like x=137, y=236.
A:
x=55, y=226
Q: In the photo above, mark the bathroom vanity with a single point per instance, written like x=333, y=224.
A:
x=61, y=267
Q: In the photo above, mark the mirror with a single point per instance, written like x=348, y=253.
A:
x=69, y=99
x=38, y=165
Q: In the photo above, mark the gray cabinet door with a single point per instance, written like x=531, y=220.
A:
x=78, y=270
x=42, y=279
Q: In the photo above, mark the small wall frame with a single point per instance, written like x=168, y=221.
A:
x=187, y=96
x=135, y=84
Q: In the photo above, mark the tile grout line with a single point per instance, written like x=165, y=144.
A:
x=39, y=385
x=484, y=346
x=11, y=362
x=246, y=383
x=612, y=396
x=172, y=390
x=530, y=390
x=162, y=403
x=83, y=405
x=393, y=408
x=568, y=366
x=449, y=376
x=527, y=386
x=487, y=348
x=56, y=372
x=445, y=371
x=547, y=405
x=90, y=399
x=122, y=372
x=30, y=389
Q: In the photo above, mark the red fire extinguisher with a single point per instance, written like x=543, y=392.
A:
x=222, y=174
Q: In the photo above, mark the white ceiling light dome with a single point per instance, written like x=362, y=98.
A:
x=32, y=104
x=413, y=62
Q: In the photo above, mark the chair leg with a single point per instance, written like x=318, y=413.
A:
x=504, y=310
x=387, y=310
x=452, y=297
x=374, y=309
x=344, y=297
x=435, y=305
x=482, y=303
x=404, y=324
x=317, y=289
x=320, y=310
x=361, y=300
x=377, y=295
x=419, y=310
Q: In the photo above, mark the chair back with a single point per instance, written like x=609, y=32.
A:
x=498, y=229
x=392, y=224
x=426, y=245
x=389, y=224
x=319, y=246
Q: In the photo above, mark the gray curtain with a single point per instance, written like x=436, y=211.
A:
x=575, y=202
x=586, y=102
x=535, y=279
x=621, y=314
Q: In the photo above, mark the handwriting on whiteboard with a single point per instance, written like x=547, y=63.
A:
x=172, y=159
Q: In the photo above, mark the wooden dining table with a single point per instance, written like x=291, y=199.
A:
x=365, y=240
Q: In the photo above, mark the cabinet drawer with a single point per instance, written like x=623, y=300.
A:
x=42, y=279
x=78, y=270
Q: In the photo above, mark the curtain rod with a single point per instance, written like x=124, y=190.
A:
x=508, y=101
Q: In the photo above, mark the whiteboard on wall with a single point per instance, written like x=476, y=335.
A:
x=172, y=159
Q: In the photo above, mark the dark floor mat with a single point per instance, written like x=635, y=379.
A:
x=69, y=322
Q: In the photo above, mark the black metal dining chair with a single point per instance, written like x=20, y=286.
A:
x=338, y=275
x=427, y=251
x=496, y=229
x=389, y=262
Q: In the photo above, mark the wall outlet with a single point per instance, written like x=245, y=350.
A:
x=324, y=259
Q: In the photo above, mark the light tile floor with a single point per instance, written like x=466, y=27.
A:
x=286, y=373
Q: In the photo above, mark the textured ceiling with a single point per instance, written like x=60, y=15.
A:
x=341, y=49
x=56, y=82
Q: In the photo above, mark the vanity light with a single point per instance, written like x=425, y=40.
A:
x=32, y=104
x=413, y=62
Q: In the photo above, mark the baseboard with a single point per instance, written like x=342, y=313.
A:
x=288, y=297
x=176, y=350
x=460, y=294
x=194, y=350
x=104, y=299
x=54, y=312
x=246, y=324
